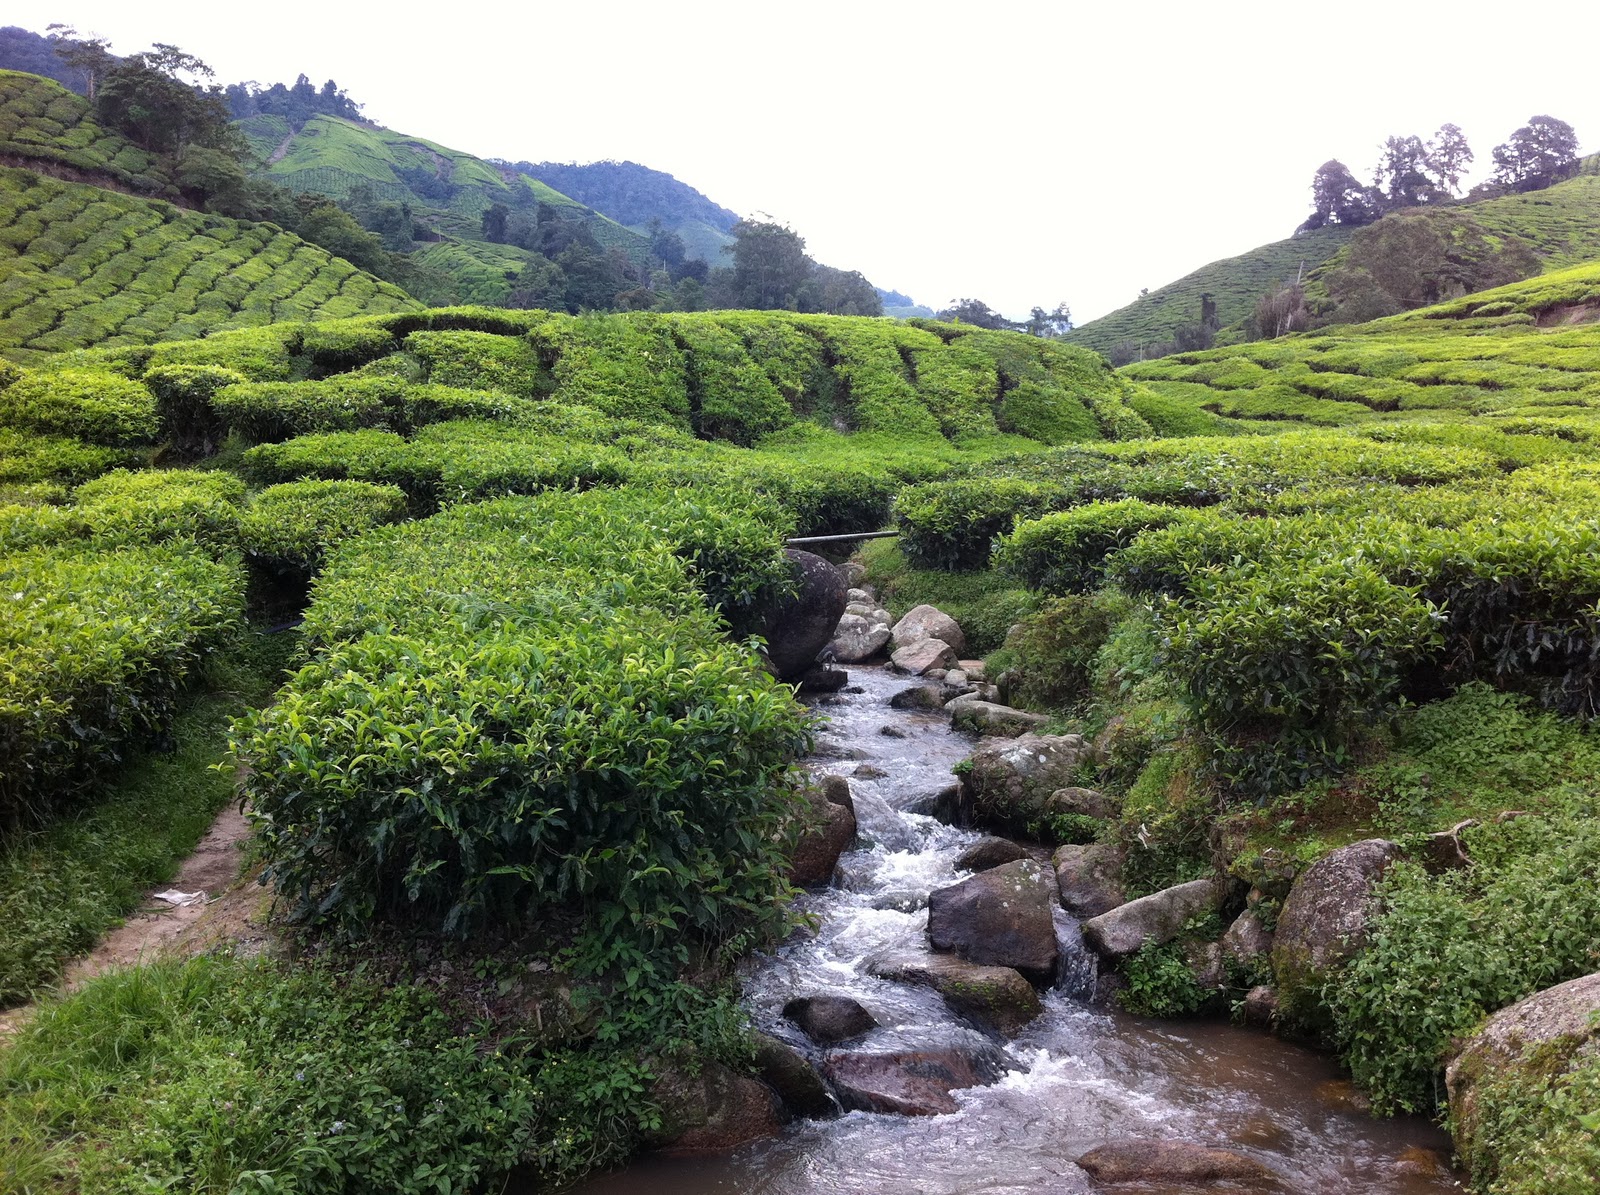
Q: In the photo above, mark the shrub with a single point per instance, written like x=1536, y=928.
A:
x=339, y=345
x=1447, y=950
x=730, y=397
x=123, y=508
x=552, y=718
x=94, y=649
x=183, y=394
x=272, y=411
x=293, y=526
x=91, y=405
x=481, y=361
x=1051, y=652
x=1161, y=984
x=27, y=458
x=1066, y=551
x=953, y=524
x=1283, y=666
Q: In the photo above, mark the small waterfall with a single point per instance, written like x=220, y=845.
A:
x=1078, y=972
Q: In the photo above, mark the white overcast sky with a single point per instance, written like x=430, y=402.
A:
x=1020, y=153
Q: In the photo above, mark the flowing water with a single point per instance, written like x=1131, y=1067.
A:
x=1082, y=1074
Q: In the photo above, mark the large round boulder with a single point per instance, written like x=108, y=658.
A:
x=1324, y=924
x=911, y=1082
x=711, y=1109
x=1003, y=917
x=1525, y=1049
x=1090, y=878
x=996, y=998
x=1010, y=783
x=830, y=1019
x=929, y=622
x=858, y=638
x=799, y=627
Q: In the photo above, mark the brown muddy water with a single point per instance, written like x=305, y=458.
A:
x=1082, y=1074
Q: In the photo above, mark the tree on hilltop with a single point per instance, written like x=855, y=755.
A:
x=1449, y=155
x=1402, y=175
x=1337, y=198
x=1541, y=152
x=975, y=312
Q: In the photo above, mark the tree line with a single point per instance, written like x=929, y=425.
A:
x=1411, y=172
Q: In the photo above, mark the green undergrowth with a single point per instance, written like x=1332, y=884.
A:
x=64, y=885
x=1447, y=950
x=223, y=1074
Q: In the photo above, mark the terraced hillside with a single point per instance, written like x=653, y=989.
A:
x=44, y=125
x=1562, y=224
x=1518, y=359
x=635, y=195
x=83, y=266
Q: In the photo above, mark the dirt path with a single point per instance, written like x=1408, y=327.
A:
x=279, y=154
x=229, y=910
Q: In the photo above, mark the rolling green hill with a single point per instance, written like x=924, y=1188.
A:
x=1562, y=224
x=1234, y=284
x=82, y=266
x=1519, y=360
x=447, y=188
x=47, y=127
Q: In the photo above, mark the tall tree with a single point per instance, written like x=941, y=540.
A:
x=770, y=266
x=1541, y=152
x=89, y=55
x=1449, y=155
x=162, y=100
x=1337, y=198
x=1401, y=175
x=975, y=312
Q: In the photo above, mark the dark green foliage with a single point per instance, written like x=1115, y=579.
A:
x=1052, y=651
x=98, y=407
x=295, y=525
x=42, y=121
x=1160, y=983
x=183, y=393
x=94, y=649
x=221, y=1073
x=985, y=604
x=953, y=524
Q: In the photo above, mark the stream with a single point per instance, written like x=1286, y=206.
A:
x=1083, y=1074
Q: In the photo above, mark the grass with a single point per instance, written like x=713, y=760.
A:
x=85, y=267
x=63, y=886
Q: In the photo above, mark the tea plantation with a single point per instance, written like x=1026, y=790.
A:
x=1301, y=592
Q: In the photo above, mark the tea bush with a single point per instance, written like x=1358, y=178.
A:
x=26, y=458
x=184, y=407
x=293, y=526
x=99, y=407
x=953, y=524
x=94, y=650
x=264, y=412
x=480, y=361
x=122, y=508
x=1065, y=552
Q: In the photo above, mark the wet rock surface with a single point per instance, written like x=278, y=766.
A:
x=989, y=852
x=924, y=655
x=1155, y=919
x=784, y=1069
x=910, y=1082
x=829, y=1019
x=818, y=851
x=997, y=998
x=1002, y=917
x=711, y=1111
x=1159, y=1161
x=985, y=717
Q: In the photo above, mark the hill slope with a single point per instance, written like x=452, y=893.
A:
x=447, y=188
x=1562, y=224
x=1520, y=359
x=635, y=195
x=1234, y=284
x=82, y=266
x=46, y=127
